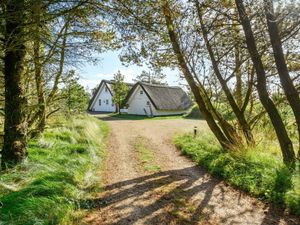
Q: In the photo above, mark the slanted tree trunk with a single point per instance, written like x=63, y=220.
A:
x=223, y=140
x=238, y=72
x=235, y=108
x=282, y=136
x=229, y=131
x=15, y=127
x=61, y=63
x=39, y=81
x=290, y=90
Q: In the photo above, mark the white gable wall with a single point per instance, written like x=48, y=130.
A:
x=138, y=102
x=106, y=101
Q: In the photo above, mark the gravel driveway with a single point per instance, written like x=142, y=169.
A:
x=179, y=193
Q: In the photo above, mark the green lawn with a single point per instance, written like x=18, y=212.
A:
x=259, y=171
x=138, y=117
x=61, y=171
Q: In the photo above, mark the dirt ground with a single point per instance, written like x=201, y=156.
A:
x=179, y=193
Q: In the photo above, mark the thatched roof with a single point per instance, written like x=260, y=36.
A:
x=164, y=97
x=108, y=84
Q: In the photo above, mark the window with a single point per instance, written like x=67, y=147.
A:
x=99, y=101
x=148, y=103
x=106, y=101
x=106, y=89
x=141, y=92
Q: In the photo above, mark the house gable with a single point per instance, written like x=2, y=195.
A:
x=139, y=103
x=102, y=99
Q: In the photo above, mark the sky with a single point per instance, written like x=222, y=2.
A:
x=91, y=75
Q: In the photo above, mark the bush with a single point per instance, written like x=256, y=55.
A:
x=194, y=113
x=59, y=173
x=256, y=171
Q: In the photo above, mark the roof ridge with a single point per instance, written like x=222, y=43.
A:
x=112, y=81
x=158, y=85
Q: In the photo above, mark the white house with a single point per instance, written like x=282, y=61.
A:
x=142, y=99
x=102, y=98
x=157, y=100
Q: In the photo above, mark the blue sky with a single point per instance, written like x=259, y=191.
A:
x=91, y=75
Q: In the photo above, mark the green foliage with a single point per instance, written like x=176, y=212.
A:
x=59, y=173
x=258, y=171
x=155, y=77
x=75, y=97
x=194, y=113
x=120, y=89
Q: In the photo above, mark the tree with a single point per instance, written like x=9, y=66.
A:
x=196, y=35
x=225, y=136
x=282, y=68
x=239, y=113
x=155, y=77
x=39, y=40
x=120, y=90
x=282, y=135
x=15, y=126
x=75, y=98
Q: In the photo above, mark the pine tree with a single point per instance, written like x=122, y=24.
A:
x=120, y=89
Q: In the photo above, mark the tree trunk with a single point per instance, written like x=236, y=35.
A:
x=189, y=78
x=290, y=91
x=39, y=81
x=61, y=63
x=229, y=131
x=238, y=76
x=237, y=111
x=15, y=127
x=282, y=136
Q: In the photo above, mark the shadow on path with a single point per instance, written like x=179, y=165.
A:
x=168, y=197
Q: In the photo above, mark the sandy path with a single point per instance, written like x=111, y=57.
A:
x=180, y=193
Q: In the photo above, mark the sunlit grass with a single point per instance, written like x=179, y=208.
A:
x=145, y=154
x=60, y=172
x=258, y=170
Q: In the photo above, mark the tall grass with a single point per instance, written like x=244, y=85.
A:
x=61, y=171
x=258, y=170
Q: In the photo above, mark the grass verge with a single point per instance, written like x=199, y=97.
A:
x=145, y=154
x=60, y=172
x=258, y=171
